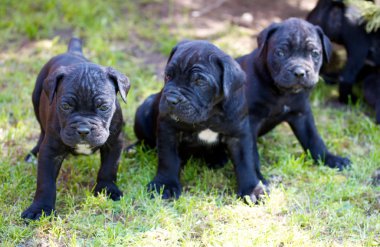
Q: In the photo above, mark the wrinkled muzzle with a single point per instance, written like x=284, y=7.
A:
x=182, y=108
x=89, y=131
x=296, y=78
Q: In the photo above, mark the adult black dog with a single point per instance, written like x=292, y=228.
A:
x=343, y=25
x=76, y=106
x=201, y=111
x=280, y=74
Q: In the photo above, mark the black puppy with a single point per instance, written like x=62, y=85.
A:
x=343, y=25
x=76, y=106
x=280, y=74
x=200, y=111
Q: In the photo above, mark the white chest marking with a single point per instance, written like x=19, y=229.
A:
x=208, y=136
x=83, y=149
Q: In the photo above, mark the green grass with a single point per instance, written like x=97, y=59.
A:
x=309, y=205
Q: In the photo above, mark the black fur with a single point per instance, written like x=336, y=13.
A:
x=203, y=90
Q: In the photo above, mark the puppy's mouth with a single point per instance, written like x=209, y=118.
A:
x=295, y=78
x=182, y=110
x=296, y=87
x=187, y=114
x=75, y=138
x=293, y=89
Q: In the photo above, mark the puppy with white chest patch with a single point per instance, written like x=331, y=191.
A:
x=201, y=112
x=76, y=106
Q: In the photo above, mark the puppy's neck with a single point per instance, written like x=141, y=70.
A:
x=265, y=79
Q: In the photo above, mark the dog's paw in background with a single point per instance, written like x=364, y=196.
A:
x=131, y=149
x=30, y=158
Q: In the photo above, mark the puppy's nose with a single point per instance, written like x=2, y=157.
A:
x=83, y=131
x=172, y=99
x=299, y=72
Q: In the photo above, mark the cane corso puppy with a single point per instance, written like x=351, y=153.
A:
x=280, y=75
x=76, y=106
x=201, y=111
x=344, y=25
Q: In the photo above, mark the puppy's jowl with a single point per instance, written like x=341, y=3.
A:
x=201, y=112
x=76, y=106
x=280, y=75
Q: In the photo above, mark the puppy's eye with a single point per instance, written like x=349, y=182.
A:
x=66, y=106
x=199, y=82
x=167, y=77
x=280, y=53
x=315, y=54
x=103, y=107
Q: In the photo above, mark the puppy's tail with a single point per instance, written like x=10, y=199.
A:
x=75, y=46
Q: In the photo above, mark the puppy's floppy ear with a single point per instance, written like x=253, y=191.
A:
x=233, y=75
x=264, y=36
x=326, y=44
x=50, y=84
x=121, y=81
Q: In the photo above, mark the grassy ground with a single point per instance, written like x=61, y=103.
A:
x=310, y=205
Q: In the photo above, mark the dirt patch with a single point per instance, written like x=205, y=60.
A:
x=213, y=20
x=207, y=13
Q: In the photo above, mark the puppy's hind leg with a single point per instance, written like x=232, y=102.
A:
x=33, y=153
x=216, y=157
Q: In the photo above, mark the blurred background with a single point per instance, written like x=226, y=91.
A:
x=146, y=29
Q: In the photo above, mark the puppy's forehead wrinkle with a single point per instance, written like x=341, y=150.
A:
x=86, y=81
x=198, y=68
x=185, y=58
x=87, y=76
x=296, y=37
x=192, y=58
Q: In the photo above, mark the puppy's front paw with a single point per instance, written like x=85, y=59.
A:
x=255, y=194
x=169, y=190
x=110, y=188
x=258, y=193
x=35, y=211
x=334, y=161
